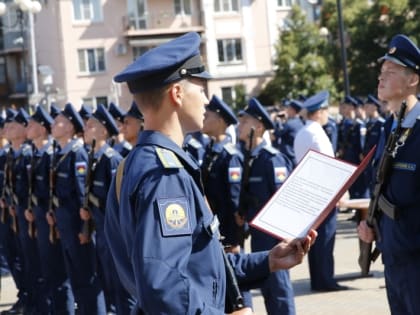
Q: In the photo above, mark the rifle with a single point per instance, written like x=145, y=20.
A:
x=384, y=169
x=53, y=235
x=13, y=199
x=88, y=225
x=244, y=193
x=5, y=189
x=31, y=226
x=234, y=298
x=208, y=161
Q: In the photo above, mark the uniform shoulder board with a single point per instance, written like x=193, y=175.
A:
x=168, y=158
x=231, y=148
x=418, y=117
x=194, y=143
x=271, y=149
x=127, y=145
x=77, y=145
x=382, y=120
x=359, y=121
x=50, y=149
x=109, y=152
x=26, y=148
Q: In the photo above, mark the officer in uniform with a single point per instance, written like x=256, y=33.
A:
x=398, y=235
x=351, y=139
x=101, y=126
x=268, y=171
x=161, y=199
x=288, y=130
x=312, y=136
x=374, y=126
x=133, y=124
x=57, y=283
x=120, y=144
x=80, y=259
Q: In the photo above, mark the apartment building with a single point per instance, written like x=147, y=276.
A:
x=81, y=44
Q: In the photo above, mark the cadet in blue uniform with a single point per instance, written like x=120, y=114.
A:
x=120, y=144
x=351, y=139
x=54, y=111
x=399, y=226
x=85, y=112
x=11, y=243
x=161, y=198
x=132, y=124
x=313, y=136
x=331, y=130
x=195, y=144
x=288, y=130
x=268, y=171
x=221, y=175
x=57, y=283
x=80, y=259
x=101, y=126
x=374, y=126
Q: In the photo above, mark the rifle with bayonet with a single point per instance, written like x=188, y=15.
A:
x=31, y=225
x=244, y=198
x=5, y=193
x=53, y=234
x=377, y=200
x=88, y=225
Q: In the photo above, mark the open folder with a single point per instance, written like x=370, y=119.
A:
x=308, y=195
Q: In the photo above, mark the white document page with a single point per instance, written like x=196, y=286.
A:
x=308, y=195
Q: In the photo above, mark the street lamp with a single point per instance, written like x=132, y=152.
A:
x=30, y=7
x=343, y=48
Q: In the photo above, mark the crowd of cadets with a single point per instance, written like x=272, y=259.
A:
x=56, y=168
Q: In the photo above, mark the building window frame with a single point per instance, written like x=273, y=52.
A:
x=285, y=3
x=94, y=101
x=87, y=10
x=91, y=60
x=229, y=51
x=182, y=7
x=226, y=6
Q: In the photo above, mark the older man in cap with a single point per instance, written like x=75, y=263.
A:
x=268, y=169
x=99, y=128
x=57, y=283
x=313, y=137
x=163, y=236
x=398, y=223
x=69, y=191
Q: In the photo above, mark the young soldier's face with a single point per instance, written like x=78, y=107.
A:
x=94, y=130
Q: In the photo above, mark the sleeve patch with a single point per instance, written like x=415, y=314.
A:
x=280, y=174
x=81, y=168
x=174, y=216
x=235, y=174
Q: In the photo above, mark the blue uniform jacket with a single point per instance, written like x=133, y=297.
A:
x=162, y=238
x=287, y=134
x=401, y=238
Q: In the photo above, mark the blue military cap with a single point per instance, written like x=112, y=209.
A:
x=134, y=111
x=10, y=115
x=116, y=112
x=350, y=100
x=172, y=61
x=359, y=101
x=219, y=106
x=403, y=51
x=71, y=114
x=105, y=118
x=22, y=117
x=373, y=100
x=43, y=118
x=85, y=112
x=317, y=101
x=295, y=104
x=54, y=110
x=256, y=110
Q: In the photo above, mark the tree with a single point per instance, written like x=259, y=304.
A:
x=302, y=61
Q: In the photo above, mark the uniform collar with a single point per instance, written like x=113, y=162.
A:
x=411, y=117
x=69, y=146
x=101, y=151
x=45, y=147
x=258, y=148
x=149, y=137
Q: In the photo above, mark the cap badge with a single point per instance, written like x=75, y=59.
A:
x=392, y=50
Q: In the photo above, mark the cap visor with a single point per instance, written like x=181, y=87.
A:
x=392, y=59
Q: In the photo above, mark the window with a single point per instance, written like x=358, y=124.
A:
x=137, y=14
x=2, y=70
x=285, y=3
x=182, y=7
x=91, y=60
x=93, y=102
x=87, y=10
x=229, y=50
x=234, y=96
x=226, y=5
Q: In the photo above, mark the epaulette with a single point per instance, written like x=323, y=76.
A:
x=418, y=117
x=50, y=150
x=26, y=148
x=195, y=143
x=168, y=158
x=359, y=121
x=382, y=120
x=109, y=152
x=231, y=148
x=271, y=149
x=77, y=145
x=127, y=145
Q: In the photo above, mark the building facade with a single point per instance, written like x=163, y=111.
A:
x=82, y=44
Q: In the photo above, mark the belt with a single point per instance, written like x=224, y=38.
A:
x=388, y=208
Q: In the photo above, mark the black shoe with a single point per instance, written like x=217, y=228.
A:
x=336, y=287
